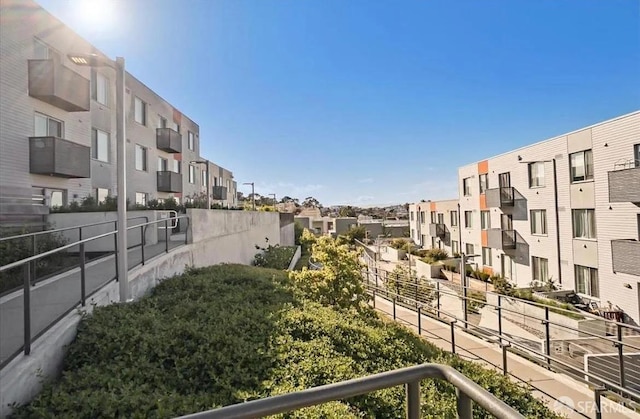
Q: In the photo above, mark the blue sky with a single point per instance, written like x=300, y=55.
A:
x=372, y=102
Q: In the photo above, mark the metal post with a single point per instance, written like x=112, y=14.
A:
x=416, y=280
x=166, y=235
x=597, y=394
x=27, y=309
x=83, y=289
x=419, y=320
x=394, y=308
x=208, y=187
x=122, y=267
x=504, y=358
x=142, y=242
x=453, y=337
x=413, y=399
x=34, y=263
x=115, y=247
x=464, y=405
x=376, y=272
x=374, y=298
x=438, y=298
x=547, y=337
x=500, y=317
x=620, y=346
x=463, y=280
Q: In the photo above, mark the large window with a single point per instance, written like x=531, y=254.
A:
x=540, y=268
x=454, y=218
x=587, y=281
x=45, y=126
x=485, y=220
x=101, y=194
x=162, y=121
x=486, y=256
x=177, y=166
x=191, y=141
x=192, y=174
x=141, y=198
x=57, y=198
x=99, y=88
x=440, y=218
x=636, y=155
x=141, y=158
x=584, y=223
x=140, y=111
x=411, y=216
x=536, y=174
x=434, y=217
x=581, y=165
x=484, y=182
x=466, y=186
x=539, y=222
x=163, y=164
x=469, y=249
x=455, y=247
x=204, y=178
x=100, y=145
x=423, y=217
x=41, y=51
x=468, y=219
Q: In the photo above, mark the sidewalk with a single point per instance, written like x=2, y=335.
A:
x=549, y=386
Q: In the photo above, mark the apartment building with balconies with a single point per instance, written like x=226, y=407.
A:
x=58, y=126
x=224, y=187
x=565, y=209
x=436, y=225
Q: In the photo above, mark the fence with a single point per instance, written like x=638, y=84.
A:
x=467, y=393
x=28, y=313
x=617, y=374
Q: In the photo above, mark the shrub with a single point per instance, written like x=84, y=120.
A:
x=275, y=257
x=434, y=255
x=298, y=229
x=354, y=233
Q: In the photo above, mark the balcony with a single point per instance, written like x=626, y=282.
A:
x=219, y=193
x=169, y=181
x=437, y=230
x=500, y=197
x=625, y=256
x=169, y=140
x=57, y=85
x=58, y=157
x=501, y=239
x=624, y=185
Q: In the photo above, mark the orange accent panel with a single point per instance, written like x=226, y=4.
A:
x=487, y=270
x=432, y=206
x=483, y=202
x=177, y=156
x=484, y=239
x=177, y=116
x=483, y=167
x=178, y=194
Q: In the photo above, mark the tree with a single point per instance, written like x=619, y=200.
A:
x=353, y=234
x=347, y=211
x=311, y=202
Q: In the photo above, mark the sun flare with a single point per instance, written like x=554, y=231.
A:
x=95, y=13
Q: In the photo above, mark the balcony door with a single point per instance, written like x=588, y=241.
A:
x=508, y=268
x=504, y=180
x=506, y=222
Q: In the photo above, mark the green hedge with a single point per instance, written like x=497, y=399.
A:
x=228, y=333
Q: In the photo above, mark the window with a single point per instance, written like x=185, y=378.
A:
x=440, y=218
x=141, y=198
x=191, y=142
x=636, y=155
x=413, y=233
x=100, y=145
x=584, y=223
x=410, y=214
x=175, y=126
x=162, y=121
x=433, y=243
x=140, y=111
x=423, y=216
x=587, y=281
x=486, y=256
x=539, y=222
x=468, y=218
x=455, y=247
x=466, y=186
x=192, y=174
x=101, y=194
x=581, y=165
x=141, y=158
x=177, y=166
x=57, y=198
x=45, y=126
x=536, y=174
x=163, y=164
x=485, y=220
x=469, y=249
x=434, y=217
x=540, y=268
x=204, y=178
x=99, y=88
x=484, y=182
x=454, y=218
x=41, y=51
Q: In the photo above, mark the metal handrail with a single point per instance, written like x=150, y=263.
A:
x=37, y=233
x=467, y=391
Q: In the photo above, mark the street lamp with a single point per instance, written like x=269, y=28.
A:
x=93, y=60
x=274, y=201
x=253, y=195
x=207, y=186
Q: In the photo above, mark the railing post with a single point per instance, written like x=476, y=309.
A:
x=465, y=300
x=547, y=336
x=620, y=346
x=374, y=298
x=500, y=317
x=115, y=247
x=27, y=309
x=597, y=394
x=35, y=262
x=166, y=235
x=419, y=320
x=142, y=242
x=376, y=273
x=83, y=290
x=413, y=399
x=394, y=308
x=438, y=298
x=504, y=358
x=453, y=337
x=416, y=300
x=464, y=405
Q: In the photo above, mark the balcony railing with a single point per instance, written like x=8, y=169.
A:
x=502, y=239
x=58, y=157
x=437, y=230
x=624, y=185
x=169, y=181
x=219, y=192
x=58, y=85
x=500, y=197
x=169, y=140
x=625, y=256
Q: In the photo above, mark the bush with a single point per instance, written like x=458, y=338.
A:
x=228, y=333
x=354, y=233
x=400, y=244
x=298, y=229
x=434, y=255
x=274, y=257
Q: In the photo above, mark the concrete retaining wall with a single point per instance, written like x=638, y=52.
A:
x=287, y=230
x=390, y=254
x=428, y=271
x=295, y=258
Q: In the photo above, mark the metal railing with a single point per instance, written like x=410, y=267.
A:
x=67, y=291
x=467, y=393
x=618, y=374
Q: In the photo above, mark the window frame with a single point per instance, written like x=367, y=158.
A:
x=538, y=181
x=590, y=219
x=486, y=256
x=454, y=218
x=191, y=140
x=543, y=213
x=466, y=248
x=145, y=199
x=587, y=165
x=192, y=174
x=485, y=220
x=95, y=136
x=455, y=247
x=48, y=120
x=468, y=223
x=97, y=193
x=466, y=186
x=177, y=166
x=592, y=281
x=143, y=110
x=145, y=158
x=95, y=77
x=483, y=185
x=536, y=265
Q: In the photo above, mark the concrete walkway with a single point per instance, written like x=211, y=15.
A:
x=56, y=296
x=552, y=388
